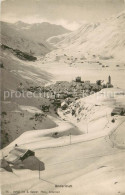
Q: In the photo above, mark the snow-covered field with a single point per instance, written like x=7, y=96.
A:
x=90, y=163
x=89, y=70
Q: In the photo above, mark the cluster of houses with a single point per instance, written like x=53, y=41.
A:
x=64, y=91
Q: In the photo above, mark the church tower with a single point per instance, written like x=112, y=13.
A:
x=109, y=79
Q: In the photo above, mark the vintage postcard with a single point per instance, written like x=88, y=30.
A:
x=62, y=77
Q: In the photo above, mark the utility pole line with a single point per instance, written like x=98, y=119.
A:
x=39, y=170
x=70, y=138
x=87, y=126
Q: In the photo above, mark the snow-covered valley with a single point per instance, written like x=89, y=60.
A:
x=83, y=146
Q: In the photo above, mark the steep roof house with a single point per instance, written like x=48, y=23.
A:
x=18, y=154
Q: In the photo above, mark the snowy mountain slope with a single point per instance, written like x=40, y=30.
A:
x=16, y=40
x=94, y=110
x=40, y=31
x=103, y=40
x=14, y=72
x=56, y=39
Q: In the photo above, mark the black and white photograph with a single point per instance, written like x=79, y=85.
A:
x=62, y=97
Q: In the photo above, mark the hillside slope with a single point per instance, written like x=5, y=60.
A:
x=56, y=39
x=88, y=164
x=17, y=40
x=104, y=40
x=14, y=120
x=40, y=31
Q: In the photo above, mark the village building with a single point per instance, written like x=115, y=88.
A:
x=20, y=88
x=78, y=79
x=64, y=105
x=86, y=86
x=60, y=96
x=87, y=82
x=18, y=154
x=99, y=82
x=52, y=96
x=57, y=102
x=118, y=111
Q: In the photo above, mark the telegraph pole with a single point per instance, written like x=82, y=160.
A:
x=39, y=170
x=87, y=127
x=70, y=138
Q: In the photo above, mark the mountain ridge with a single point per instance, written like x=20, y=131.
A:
x=40, y=31
x=101, y=40
x=16, y=40
x=29, y=38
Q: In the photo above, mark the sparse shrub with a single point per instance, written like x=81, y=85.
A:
x=73, y=112
x=24, y=56
x=39, y=117
x=113, y=120
x=3, y=113
x=36, y=114
x=55, y=135
x=106, y=57
x=31, y=118
x=22, y=114
x=1, y=65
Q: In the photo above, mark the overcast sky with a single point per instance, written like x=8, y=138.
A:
x=69, y=13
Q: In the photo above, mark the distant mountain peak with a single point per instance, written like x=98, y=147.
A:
x=20, y=22
x=40, y=31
